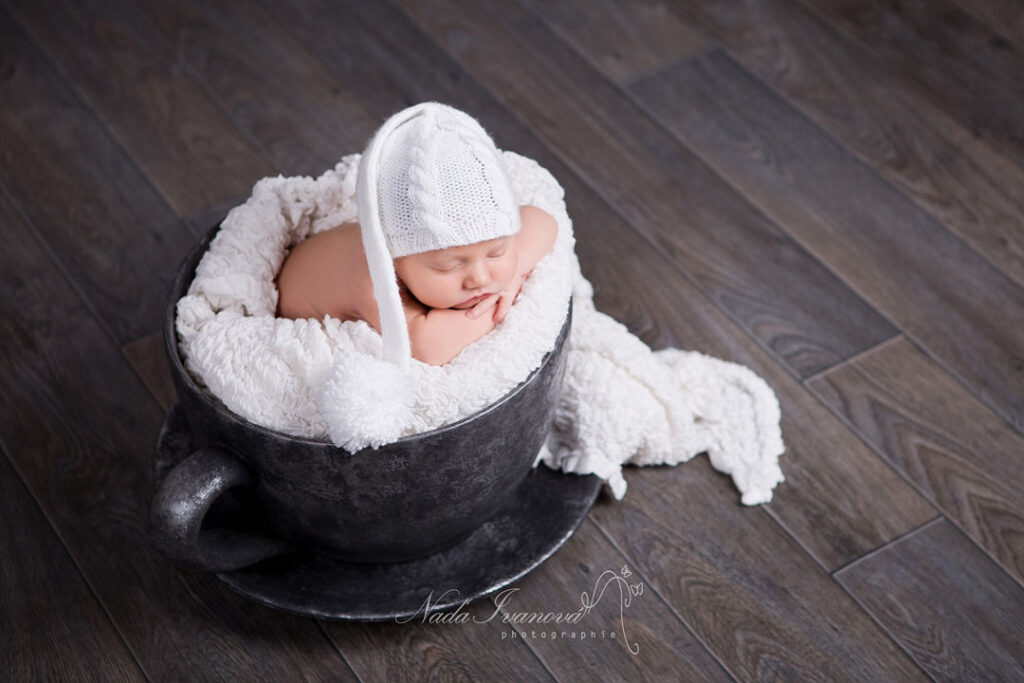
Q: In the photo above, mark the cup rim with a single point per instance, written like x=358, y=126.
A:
x=179, y=287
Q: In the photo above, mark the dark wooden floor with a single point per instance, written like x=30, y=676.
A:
x=829, y=191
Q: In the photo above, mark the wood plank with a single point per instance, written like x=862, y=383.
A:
x=743, y=262
x=623, y=40
x=629, y=635
x=832, y=505
x=743, y=586
x=967, y=69
x=51, y=625
x=80, y=428
x=895, y=255
x=117, y=62
x=268, y=82
x=112, y=233
x=933, y=158
x=949, y=606
x=953, y=448
x=149, y=360
x=1005, y=17
x=383, y=63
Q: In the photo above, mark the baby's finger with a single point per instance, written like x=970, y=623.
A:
x=482, y=305
x=503, y=307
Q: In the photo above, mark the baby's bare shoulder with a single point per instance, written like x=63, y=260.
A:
x=324, y=274
x=534, y=214
x=536, y=236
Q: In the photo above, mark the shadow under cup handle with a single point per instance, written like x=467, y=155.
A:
x=181, y=503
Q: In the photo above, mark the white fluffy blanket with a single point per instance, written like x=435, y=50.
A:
x=621, y=403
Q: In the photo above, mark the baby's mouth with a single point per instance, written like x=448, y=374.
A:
x=470, y=302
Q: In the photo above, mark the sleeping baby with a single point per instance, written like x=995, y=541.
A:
x=432, y=189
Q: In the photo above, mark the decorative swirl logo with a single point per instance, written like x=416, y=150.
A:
x=626, y=593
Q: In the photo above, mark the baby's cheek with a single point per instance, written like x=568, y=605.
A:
x=513, y=268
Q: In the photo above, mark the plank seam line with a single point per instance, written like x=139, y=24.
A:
x=884, y=629
x=987, y=23
x=323, y=630
x=891, y=542
x=910, y=79
x=853, y=358
x=654, y=589
x=75, y=564
x=529, y=647
x=911, y=482
x=824, y=264
x=901, y=98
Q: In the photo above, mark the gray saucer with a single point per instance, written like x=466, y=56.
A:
x=546, y=511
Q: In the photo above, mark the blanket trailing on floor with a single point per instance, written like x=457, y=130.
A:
x=621, y=402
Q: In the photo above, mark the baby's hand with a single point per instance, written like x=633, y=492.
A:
x=501, y=301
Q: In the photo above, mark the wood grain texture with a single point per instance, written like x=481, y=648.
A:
x=952, y=447
x=894, y=254
x=844, y=88
x=1005, y=17
x=745, y=264
x=45, y=605
x=623, y=39
x=268, y=82
x=113, y=234
x=148, y=358
x=81, y=429
x=629, y=635
x=967, y=69
x=381, y=62
x=956, y=613
x=743, y=586
x=117, y=62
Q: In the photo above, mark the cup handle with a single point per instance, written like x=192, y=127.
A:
x=181, y=503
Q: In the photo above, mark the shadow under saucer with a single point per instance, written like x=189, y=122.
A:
x=547, y=509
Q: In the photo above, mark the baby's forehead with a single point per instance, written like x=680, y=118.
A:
x=467, y=249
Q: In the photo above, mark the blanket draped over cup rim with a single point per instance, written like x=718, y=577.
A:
x=621, y=402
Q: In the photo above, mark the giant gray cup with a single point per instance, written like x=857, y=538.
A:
x=417, y=496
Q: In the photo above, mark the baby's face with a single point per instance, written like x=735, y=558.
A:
x=458, y=277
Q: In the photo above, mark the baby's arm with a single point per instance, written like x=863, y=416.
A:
x=436, y=335
x=439, y=334
x=535, y=238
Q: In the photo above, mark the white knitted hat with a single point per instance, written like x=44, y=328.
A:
x=430, y=178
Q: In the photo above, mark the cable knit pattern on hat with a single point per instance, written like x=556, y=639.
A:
x=442, y=183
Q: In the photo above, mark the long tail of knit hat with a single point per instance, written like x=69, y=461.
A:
x=430, y=178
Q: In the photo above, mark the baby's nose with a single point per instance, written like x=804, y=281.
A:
x=478, y=276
